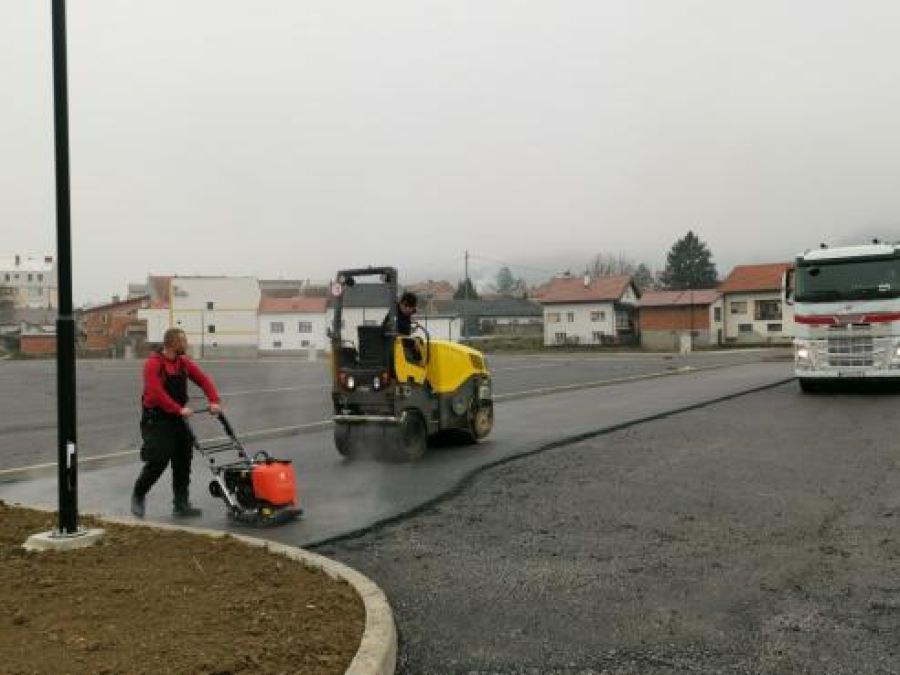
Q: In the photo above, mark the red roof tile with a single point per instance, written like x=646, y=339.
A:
x=573, y=289
x=748, y=278
x=685, y=298
x=299, y=305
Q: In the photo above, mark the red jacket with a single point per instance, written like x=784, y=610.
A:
x=155, y=395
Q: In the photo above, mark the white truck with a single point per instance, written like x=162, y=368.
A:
x=846, y=313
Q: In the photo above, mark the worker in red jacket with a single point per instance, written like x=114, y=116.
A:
x=163, y=428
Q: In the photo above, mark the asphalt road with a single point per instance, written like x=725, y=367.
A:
x=342, y=496
x=756, y=535
x=259, y=394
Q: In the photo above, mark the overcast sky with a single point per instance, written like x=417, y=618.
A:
x=292, y=138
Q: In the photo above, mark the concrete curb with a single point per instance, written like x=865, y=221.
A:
x=377, y=652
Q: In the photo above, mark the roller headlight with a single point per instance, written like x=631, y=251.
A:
x=350, y=382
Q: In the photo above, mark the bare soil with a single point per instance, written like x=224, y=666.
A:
x=151, y=601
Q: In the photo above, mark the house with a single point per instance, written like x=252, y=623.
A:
x=29, y=330
x=667, y=318
x=218, y=314
x=588, y=311
x=32, y=280
x=114, y=329
x=753, y=311
x=432, y=290
x=292, y=325
x=444, y=319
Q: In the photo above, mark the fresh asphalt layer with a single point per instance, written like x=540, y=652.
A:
x=342, y=497
x=757, y=535
x=262, y=394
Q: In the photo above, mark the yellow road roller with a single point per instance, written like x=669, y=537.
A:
x=392, y=391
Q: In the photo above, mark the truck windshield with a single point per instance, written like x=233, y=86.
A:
x=848, y=280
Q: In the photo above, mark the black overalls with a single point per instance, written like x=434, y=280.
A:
x=166, y=438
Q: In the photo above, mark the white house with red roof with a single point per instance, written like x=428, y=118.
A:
x=754, y=312
x=292, y=325
x=588, y=311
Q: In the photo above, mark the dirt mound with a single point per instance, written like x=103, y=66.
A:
x=151, y=601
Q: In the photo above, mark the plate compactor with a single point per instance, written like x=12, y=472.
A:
x=391, y=392
x=257, y=490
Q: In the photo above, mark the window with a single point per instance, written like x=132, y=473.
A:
x=717, y=313
x=30, y=277
x=570, y=316
x=210, y=328
x=773, y=327
x=623, y=320
x=598, y=315
x=40, y=277
x=304, y=327
x=304, y=343
x=766, y=310
x=276, y=344
x=560, y=338
x=739, y=307
x=210, y=306
x=7, y=277
x=276, y=326
x=745, y=328
x=597, y=336
x=553, y=317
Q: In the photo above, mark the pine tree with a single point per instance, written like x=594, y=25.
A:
x=465, y=290
x=689, y=265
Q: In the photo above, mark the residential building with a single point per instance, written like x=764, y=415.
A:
x=32, y=278
x=292, y=325
x=432, y=290
x=753, y=311
x=218, y=314
x=589, y=311
x=443, y=319
x=673, y=320
x=114, y=329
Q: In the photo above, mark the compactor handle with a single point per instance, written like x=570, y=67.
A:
x=226, y=425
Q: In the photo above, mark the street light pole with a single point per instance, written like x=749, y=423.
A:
x=67, y=456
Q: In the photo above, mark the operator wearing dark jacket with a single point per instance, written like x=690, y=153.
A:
x=405, y=310
x=164, y=431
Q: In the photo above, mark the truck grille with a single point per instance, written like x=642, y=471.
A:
x=851, y=351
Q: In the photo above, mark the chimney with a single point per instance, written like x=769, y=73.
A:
x=18, y=260
x=115, y=299
x=587, y=280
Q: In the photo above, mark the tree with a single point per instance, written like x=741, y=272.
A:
x=689, y=265
x=609, y=265
x=465, y=290
x=505, y=282
x=643, y=277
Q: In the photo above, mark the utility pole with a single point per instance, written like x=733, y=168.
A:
x=463, y=330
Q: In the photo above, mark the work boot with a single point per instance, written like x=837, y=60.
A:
x=137, y=505
x=184, y=509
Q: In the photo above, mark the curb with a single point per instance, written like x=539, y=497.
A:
x=377, y=652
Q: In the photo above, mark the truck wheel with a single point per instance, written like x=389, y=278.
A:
x=407, y=441
x=481, y=421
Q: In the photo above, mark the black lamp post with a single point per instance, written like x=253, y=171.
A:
x=67, y=455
